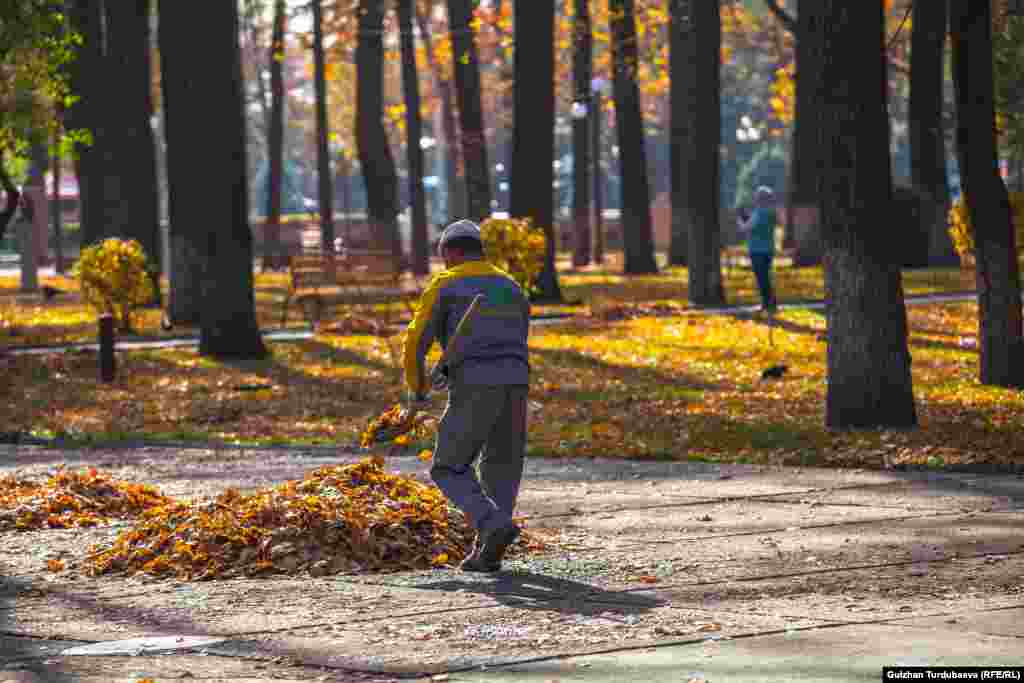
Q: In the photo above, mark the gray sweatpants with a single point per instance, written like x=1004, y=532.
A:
x=491, y=419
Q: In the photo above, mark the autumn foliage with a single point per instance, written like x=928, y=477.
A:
x=70, y=499
x=515, y=246
x=337, y=519
x=962, y=233
x=113, y=278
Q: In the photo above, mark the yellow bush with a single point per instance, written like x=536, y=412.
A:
x=960, y=224
x=113, y=278
x=515, y=246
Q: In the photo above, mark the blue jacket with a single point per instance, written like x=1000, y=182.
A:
x=762, y=231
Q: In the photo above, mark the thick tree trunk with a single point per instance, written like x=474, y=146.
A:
x=467, y=88
x=637, y=233
x=927, y=141
x=456, y=196
x=420, y=246
x=869, y=382
x=325, y=179
x=805, y=166
x=533, y=134
x=583, y=58
x=131, y=157
x=207, y=167
x=998, y=276
x=681, y=48
x=56, y=214
x=86, y=113
x=696, y=137
x=272, y=257
x=374, y=152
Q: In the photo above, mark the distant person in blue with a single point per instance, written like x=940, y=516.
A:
x=759, y=231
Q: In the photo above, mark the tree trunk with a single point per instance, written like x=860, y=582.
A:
x=998, y=277
x=414, y=131
x=583, y=59
x=87, y=82
x=682, y=47
x=869, y=382
x=13, y=197
x=927, y=140
x=635, y=219
x=371, y=138
x=325, y=179
x=804, y=163
x=696, y=137
x=455, y=203
x=272, y=257
x=131, y=151
x=533, y=133
x=467, y=88
x=56, y=214
x=207, y=167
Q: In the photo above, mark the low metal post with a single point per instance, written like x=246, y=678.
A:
x=108, y=363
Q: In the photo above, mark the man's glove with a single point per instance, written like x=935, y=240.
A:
x=439, y=378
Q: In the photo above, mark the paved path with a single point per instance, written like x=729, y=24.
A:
x=552, y=319
x=655, y=572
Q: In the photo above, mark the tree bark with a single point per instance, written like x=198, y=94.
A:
x=533, y=133
x=998, y=276
x=456, y=195
x=681, y=48
x=635, y=219
x=272, y=257
x=325, y=179
x=13, y=197
x=87, y=82
x=583, y=59
x=696, y=138
x=131, y=147
x=374, y=152
x=56, y=214
x=207, y=167
x=414, y=131
x=927, y=140
x=467, y=88
x=869, y=381
x=805, y=166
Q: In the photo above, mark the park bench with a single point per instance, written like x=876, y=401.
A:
x=318, y=279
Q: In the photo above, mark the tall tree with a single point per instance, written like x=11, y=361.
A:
x=374, y=152
x=927, y=141
x=86, y=74
x=272, y=256
x=206, y=161
x=998, y=276
x=414, y=131
x=869, y=382
x=455, y=189
x=637, y=232
x=467, y=88
x=583, y=59
x=533, y=133
x=325, y=180
x=12, y=196
x=133, y=210
x=696, y=137
x=803, y=215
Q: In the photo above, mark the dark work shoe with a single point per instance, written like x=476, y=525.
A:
x=492, y=550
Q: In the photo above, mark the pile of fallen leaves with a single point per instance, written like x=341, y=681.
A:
x=628, y=310
x=73, y=499
x=353, y=324
x=348, y=518
x=396, y=424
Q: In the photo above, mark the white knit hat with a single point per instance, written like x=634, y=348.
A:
x=463, y=228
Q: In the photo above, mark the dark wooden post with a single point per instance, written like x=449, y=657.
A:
x=108, y=364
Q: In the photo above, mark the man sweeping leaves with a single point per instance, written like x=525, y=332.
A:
x=486, y=372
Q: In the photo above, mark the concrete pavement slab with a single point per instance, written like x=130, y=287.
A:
x=1008, y=622
x=833, y=655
